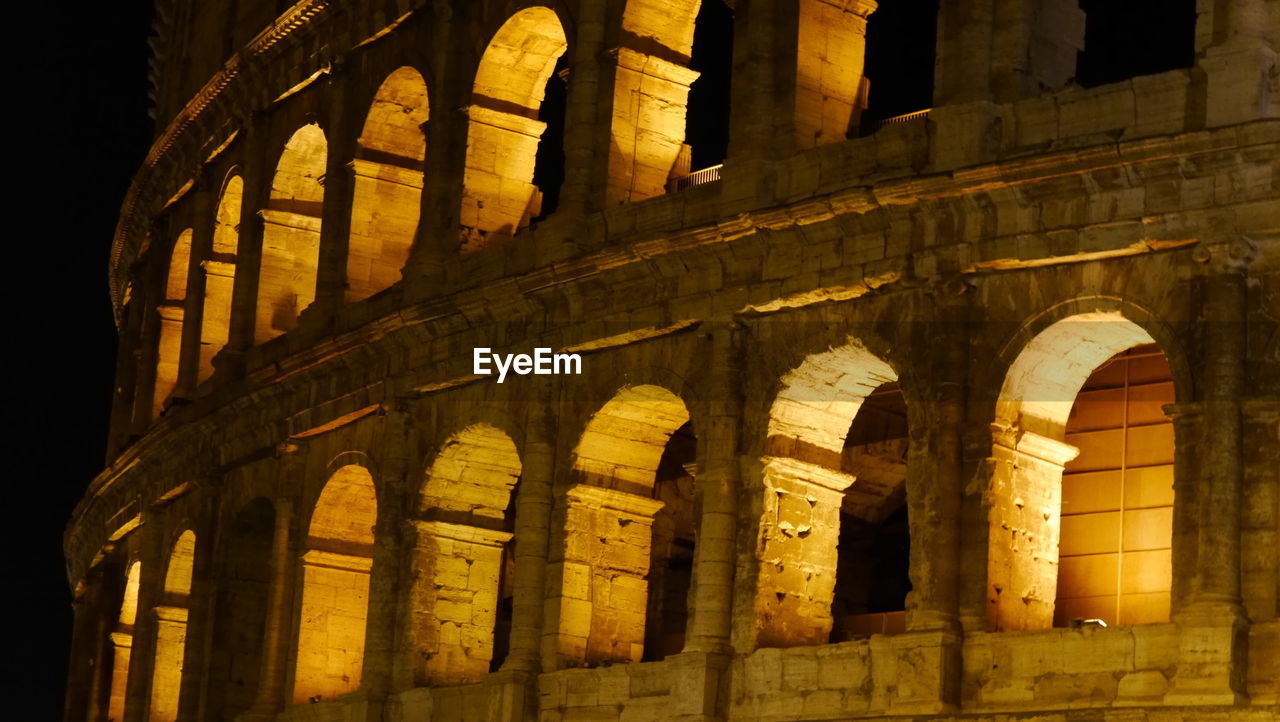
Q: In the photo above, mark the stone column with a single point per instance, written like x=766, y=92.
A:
x=600, y=593
x=1240, y=63
x=457, y=570
x=172, y=315
x=166, y=671
x=710, y=620
x=122, y=401
x=121, y=654
x=85, y=660
x=963, y=68
x=831, y=88
x=154, y=557
x=532, y=525
x=579, y=194
x=1213, y=627
x=276, y=635
x=144, y=354
x=203, y=224
x=244, y=298
x=341, y=130
x=200, y=603
x=1260, y=565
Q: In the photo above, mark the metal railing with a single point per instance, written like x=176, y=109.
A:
x=696, y=178
x=899, y=119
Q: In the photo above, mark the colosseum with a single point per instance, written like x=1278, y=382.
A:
x=851, y=392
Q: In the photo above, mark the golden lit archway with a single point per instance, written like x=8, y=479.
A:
x=462, y=555
x=650, y=99
x=171, y=310
x=291, y=234
x=171, y=631
x=1030, y=451
x=335, y=587
x=220, y=275
x=122, y=642
x=388, y=171
x=806, y=483
x=607, y=519
x=498, y=194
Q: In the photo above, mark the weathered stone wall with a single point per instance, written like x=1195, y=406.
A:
x=760, y=308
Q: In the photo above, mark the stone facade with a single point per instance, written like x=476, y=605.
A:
x=313, y=509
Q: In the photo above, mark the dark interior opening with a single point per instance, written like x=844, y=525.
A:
x=548, y=165
x=707, y=121
x=505, y=609
x=1123, y=40
x=874, y=546
x=901, y=41
x=671, y=553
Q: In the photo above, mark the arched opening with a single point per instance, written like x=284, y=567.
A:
x=499, y=197
x=647, y=147
x=707, y=129
x=1115, y=554
x=240, y=610
x=122, y=642
x=291, y=234
x=171, y=631
x=824, y=458
x=671, y=552
x=220, y=276
x=1097, y=539
x=462, y=590
x=171, y=311
x=873, y=551
x=607, y=559
x=335, y=587
x=388, y=171
x=901, y=38
x=1137, y=37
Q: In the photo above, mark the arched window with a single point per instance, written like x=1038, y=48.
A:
x=607, y=557
x=707, y=129
x=240, y=611
x=171, y=311
x=824, y=458
x=503, y=132
x=122, y=642
x=1095, y=540
x=388, y=184
x=898, y=72
x=335, y=587
x=1137, y=37
x=464, y=527
x=171, y=631
x=220, y=275
x=291, y=234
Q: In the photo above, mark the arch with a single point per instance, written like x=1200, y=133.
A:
x=1029, y=453
x=335, y=586
x=462, y=554
x=122, y=642
x=171, y=631
x=808, y=478
x=291, y=234
x=388, y=184
x=220, y=275
x=171, y=311
x=607, y=520
x=240, y=609
x=504, y=129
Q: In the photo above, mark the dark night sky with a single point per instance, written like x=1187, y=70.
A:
x=82, y=144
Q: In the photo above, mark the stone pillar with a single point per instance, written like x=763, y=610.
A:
x=457, y=571
x=85, y=659
x=1260, y=563
x=153, y=555
x=436, y=241
x=145, y=352
x=647, y=130
x=579, y=193
x=121, y=654
x=831, y=88
x=1213, y=627
x=599, y=592
x=166, y=672
x=122, y=401
x=1024, y=505
x=532, y=525
x=244, y=298
x=341, y=131
x=168, y=353
x=710, y=620
x=200, y=605
x=797, y=552
x=1240, y=63
x=963, y=67
x=276, y=635
x=203, y=223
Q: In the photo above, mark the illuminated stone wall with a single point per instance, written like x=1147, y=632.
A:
x=314, y=509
